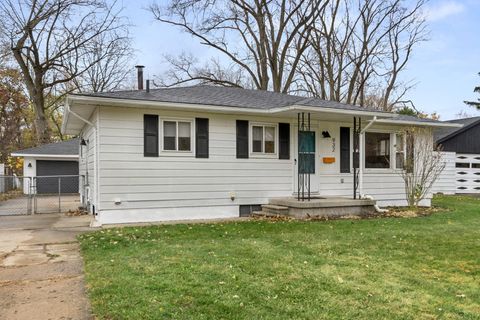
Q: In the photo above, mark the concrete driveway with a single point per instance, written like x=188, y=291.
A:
x=41, y=270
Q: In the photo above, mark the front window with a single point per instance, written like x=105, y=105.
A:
x=177, y=135
x=377, y=150
x=263, y=139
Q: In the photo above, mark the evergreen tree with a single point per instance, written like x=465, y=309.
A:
x=475, y=103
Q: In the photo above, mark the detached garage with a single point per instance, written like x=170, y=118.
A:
x=54, y=166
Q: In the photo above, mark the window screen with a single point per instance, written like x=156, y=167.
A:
x=150, y=135
x=169, y=135
x=184, y=136
x=269, y=139
x=377, y=150
x=257, y=139
x=399, y=151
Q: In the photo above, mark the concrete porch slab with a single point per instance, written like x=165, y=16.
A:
x=321, y=202
x=323, y=207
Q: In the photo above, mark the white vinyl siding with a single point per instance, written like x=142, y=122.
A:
x=177, y=182
x=179, y=187
x=387, y=188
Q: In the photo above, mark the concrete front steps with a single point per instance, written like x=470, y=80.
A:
x=316, y=207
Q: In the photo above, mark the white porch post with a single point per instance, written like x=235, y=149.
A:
x=361, y=165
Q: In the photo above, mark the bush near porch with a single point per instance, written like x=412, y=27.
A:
x=387, y=268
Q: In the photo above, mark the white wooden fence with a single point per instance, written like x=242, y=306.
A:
x=461, y=174
x=446, y=181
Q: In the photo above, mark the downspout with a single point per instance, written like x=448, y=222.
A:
x=79, y=117
x=96, y=149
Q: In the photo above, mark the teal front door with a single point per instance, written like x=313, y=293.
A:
x=305, y=158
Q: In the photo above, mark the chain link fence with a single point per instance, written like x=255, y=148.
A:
x=42, y=194
x=55, y=194
x=15, y=195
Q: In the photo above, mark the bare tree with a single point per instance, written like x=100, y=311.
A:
x=50, y=41
x=262, y=41
x=463, y=114
x=107, y=63
x=185, y=68
x=424, y=164
x=358, y=50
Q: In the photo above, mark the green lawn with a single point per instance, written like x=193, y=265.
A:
x=386, y=268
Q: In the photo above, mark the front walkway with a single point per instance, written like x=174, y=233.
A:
x=41, y=270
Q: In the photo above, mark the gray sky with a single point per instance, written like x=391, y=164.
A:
x=445, y=69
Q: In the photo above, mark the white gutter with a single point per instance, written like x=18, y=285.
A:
x=361, y=155
x=35, y=155
x=334, y=110
x=420, y=123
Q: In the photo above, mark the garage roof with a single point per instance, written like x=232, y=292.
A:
x=448, y=133
x=67, y=148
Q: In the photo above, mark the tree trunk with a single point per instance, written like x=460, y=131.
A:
x=41, y=122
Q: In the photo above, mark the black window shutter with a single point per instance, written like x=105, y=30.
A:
x=242, y=139
x=284, y=140
x=150, y=135
x=201, y=138
x=344, y=150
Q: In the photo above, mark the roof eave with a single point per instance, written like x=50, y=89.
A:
x=39, y=155
x=366, y=112
x=419, y=123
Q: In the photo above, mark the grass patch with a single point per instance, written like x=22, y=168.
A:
x=389, y=268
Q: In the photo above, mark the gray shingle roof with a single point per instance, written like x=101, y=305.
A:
x=445, y=132
x=225, y=96
x=404, y=117
x=69, y=147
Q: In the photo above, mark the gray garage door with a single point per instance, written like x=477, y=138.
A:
x=54, y=175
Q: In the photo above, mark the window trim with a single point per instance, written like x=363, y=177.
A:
x=250, y=140
x=177, y=152
x=404, y=138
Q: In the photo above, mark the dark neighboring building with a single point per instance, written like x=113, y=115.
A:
x=460, y=140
